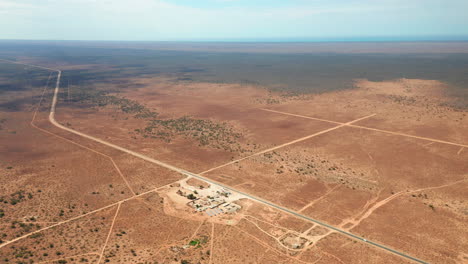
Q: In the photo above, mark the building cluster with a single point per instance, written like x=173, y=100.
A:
x=212, y=204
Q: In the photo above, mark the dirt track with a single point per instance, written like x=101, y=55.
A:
x=55, y=123
x=373, y=129
x=288, y=143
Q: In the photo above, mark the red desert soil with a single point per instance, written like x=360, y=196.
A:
x=403, y=192
x=442, y=231
x=339, y=249
x=369, y=168
x=259, y=129
x=416, y=107
x=75, y=241
x=59, y=175
x=143, y=231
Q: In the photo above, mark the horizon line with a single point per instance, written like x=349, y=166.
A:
x=278, y=39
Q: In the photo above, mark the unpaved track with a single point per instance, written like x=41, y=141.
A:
x=184, y=172
x=83, y=215
x=265, y=245
x=109, y=234
x=318, y=199
x=196, y=230
x=369, y=128
x=212, y=242
x=288, y=143
x=73, y=218
x=70, y=141
x=379, y=204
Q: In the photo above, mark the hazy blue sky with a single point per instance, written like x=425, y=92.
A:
x=231, y=19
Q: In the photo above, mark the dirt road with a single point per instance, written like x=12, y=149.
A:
x=184, y=172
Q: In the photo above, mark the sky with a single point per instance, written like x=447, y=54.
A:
x=234, y=20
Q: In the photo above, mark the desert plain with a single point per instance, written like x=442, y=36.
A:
x=211, y=159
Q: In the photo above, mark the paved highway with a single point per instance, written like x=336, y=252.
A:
x=187, y=173
x=284, y=209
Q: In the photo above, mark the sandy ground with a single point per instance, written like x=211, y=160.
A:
x=95, y=203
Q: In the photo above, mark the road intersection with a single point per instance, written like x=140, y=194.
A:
x=199, y=176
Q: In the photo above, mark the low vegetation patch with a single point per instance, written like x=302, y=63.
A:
x=15, y=197
x=101, y=99
x=197, y=242
x=205, y=132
